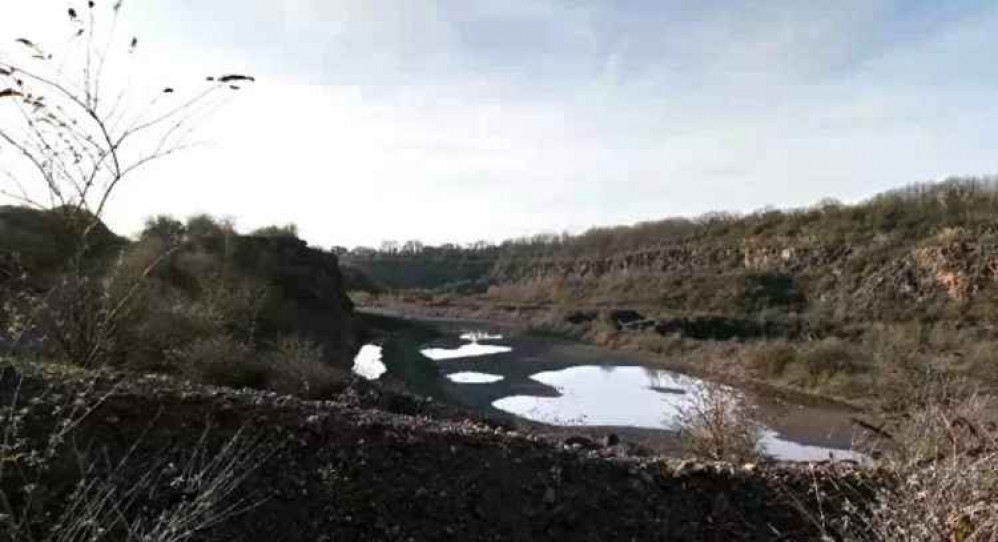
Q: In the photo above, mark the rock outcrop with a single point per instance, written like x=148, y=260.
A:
x=313, y=286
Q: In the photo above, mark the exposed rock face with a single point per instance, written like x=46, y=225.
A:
x=924, y=252
x=666, y=259
x=881, y=277
x=789, y=255
x=312, y=281
x=962, y=268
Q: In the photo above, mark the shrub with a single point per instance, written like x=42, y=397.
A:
x=287, y=231
x=650, y=340
x=830, y=357
x=221, y=361
x=77, y=320
x=982, y=361
x=52, y=490
x=772, y=360
x=941, y=464
x=720, y=425
x=296, y=366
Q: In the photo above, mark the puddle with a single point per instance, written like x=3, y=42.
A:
x=595, y=395
x=795, y=451
x=465, y=351
x=474, y=378
x=633, y=397
x=472, y=348
x=368, y=362
x=476, y=336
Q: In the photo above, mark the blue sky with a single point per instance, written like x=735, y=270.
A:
x=471, y=119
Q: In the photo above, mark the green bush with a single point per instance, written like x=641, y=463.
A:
x=288, y=230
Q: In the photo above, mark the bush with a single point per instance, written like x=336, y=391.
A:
x=982, y=361
x=296, y=366
x=289, y=231
x=772, y=360
x=221, y=361
x=650, y=340
x=830, y=357
x=77, y=319
x=720, y=425
x=942, y=466
x=52, y=490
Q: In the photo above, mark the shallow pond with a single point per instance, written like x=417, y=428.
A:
x=561, y=384
x=610, y=395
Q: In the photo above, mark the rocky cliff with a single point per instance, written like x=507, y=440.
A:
x=311, y=288
x=945, y=272
x=924, y=252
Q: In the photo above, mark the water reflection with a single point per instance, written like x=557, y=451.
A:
x=470, y=377
x=368, y=362
x=476, y=336
x=473, y=348
x=606, y=395
x=633, y=397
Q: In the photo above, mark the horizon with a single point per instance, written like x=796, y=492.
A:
x=990, y=184
x=373, y=122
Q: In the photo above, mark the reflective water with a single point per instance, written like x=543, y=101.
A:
x=567, y=384
x=471, y=377
x=476, y=336
x=472, y=349
x=607, y=395
x=368, y=362
x=633, y=397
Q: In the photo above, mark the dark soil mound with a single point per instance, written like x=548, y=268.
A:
x=342, y=470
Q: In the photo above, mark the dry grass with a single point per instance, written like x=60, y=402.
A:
x=945, y=462
x=52, y=491
x=939, y=465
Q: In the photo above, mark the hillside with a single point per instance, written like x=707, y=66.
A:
x=852, y=302
x=40, y=243
x=181, y=298
x=927, y=252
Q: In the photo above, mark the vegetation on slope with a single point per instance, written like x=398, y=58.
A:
x=925, y=253
x=847, y=301
x=192, y=298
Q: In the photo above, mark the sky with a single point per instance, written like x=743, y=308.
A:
x=461, y=120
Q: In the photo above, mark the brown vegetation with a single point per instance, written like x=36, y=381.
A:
x=940, y=459
x=721, y=425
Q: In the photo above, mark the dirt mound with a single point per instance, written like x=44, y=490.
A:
x=343, y=470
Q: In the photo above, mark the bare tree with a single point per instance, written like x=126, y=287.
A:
x=69, y=136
